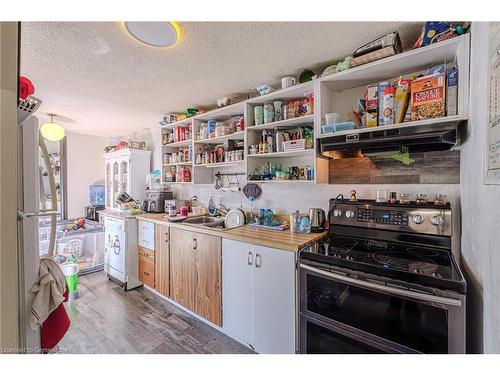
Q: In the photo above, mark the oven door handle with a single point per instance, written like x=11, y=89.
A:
x=385, y=288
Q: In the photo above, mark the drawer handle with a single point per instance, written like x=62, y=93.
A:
x=250, y=258
x=195, y=243
x=146, y=273
x=258, y=260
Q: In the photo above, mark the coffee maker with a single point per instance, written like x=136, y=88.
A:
x=155, y=200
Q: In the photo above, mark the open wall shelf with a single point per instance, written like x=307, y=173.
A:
x=337, y=92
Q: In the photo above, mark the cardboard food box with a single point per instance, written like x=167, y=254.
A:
x=371, y=106
x=428, y=97
x=401, y=99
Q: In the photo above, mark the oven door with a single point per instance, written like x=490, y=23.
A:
x=396, y=319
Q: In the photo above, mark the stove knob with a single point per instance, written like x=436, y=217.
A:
x=418, y=219
x=349, y=214
x=337, y=213
x=437, y=220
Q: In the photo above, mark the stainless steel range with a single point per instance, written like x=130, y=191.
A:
x=384, y=281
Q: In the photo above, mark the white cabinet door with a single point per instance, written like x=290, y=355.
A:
x=146, y=234
x=237, y=290
x=274, y=301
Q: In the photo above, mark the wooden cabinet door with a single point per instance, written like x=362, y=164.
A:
x=162, y=260
x=147, y=272
x=237, y=290
x=274, y=301
x=183, y=267
x=208, y=277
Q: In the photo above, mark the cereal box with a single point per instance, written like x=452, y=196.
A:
x=428, y=97
x=371, y=106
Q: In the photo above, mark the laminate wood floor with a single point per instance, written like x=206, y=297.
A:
x=105, y=319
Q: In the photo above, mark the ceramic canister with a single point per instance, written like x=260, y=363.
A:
x=278, y=115
x=268, y=113
x=258, y=115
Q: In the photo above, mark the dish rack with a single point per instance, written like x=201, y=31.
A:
x=27, y=107
x=296, y=145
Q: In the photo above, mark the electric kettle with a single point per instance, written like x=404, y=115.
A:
x=317, y=218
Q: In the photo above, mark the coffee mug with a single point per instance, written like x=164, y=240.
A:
x=287, y=82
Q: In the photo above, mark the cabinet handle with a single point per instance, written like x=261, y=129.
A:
x=258, y=260
x=250, y=258
x=146, y=273
x=195, y=243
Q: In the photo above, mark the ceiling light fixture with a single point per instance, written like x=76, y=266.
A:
x=52, y=131
x=156, y=34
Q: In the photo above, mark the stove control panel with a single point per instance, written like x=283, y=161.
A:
x=426, y=220
x=382, y=216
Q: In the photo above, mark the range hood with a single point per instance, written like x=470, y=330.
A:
x=418, y=138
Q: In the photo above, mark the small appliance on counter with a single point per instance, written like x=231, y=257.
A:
x=317, y=219
x=155, y=200
x=96, y=202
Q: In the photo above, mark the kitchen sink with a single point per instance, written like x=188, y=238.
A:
x=207, y=221
x=203, y=220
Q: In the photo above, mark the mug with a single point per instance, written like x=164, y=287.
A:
x=287, y=82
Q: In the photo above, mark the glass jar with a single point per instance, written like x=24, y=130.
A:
x=381, y=196
x=392, y=197
x=440, y=200
x=404, y=198
x=203, y=131
x=421, y=199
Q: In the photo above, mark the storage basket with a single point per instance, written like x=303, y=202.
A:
x=73, y=247
x=299, y=144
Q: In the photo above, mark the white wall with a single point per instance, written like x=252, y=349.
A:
x=480, y=210
x=85, y=166
x=286, y=198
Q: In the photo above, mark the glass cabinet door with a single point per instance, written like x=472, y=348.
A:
x=116, y=182
x=124, y=176
x=109, y=184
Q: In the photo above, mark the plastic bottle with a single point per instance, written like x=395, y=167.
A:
x=212, y=210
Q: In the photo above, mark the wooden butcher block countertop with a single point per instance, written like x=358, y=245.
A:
x=285, y=240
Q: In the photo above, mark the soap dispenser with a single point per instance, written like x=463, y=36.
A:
x=212, y=210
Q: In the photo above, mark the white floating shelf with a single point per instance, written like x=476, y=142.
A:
x=306, y=152
x=297, y=91
x=288, y=123
x=403, y=63
x=178, y=144
x=178, y=183
x=223, y=112
x=282, y=181
x=236, y=136
x=410, y=124
x=178, y=164
x=182, y=123
x=220, y=165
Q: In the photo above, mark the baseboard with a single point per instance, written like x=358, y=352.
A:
x=193, y=314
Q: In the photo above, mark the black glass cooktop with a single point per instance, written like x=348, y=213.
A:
x=426, y=266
